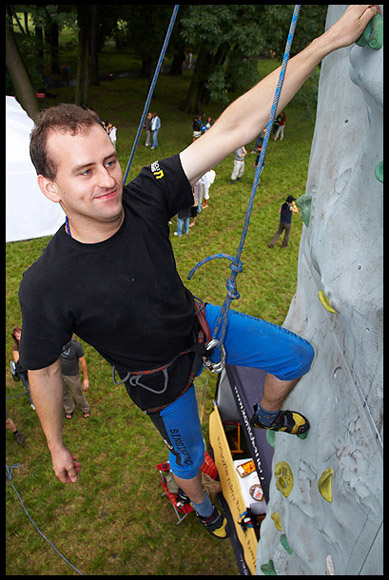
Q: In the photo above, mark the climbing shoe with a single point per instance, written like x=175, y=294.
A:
x=216, y=524
x=19, y=437
x=287, y=421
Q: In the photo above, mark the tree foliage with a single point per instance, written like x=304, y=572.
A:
x=226, y=39
x=145, y=29
x=229, y=45
x=231, y=38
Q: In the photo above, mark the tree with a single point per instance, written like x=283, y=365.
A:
x=231, y=39
x=35, y=30
x=24, y=91
x=146, y=30
x=225, y=35
x=177, y=43
x=80, y=97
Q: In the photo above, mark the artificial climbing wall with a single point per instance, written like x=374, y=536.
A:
x=326, y=507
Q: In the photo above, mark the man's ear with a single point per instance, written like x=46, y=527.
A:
x=48, y=188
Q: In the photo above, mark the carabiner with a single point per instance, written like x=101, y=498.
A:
x=135, y=381
x=219, y=366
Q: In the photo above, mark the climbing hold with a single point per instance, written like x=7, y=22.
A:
x=330, y=570
x=302, y=435
x=268, y=569
x=304, y=205
x=284, y=478
x=270, y=437
x=277, y=522
x=325, y=302
x=284, y=543
x=373, y=35
x=379, y=171
x=324, y=484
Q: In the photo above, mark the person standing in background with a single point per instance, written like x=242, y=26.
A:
x=238, y=170
x=285, y=211
x=155, y=127
x=72, y=356
x=16, y=335
x=147, y=127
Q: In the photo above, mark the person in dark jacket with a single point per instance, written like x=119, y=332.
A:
x=285, y=211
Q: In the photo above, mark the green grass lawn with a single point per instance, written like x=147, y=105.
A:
x=113, y=521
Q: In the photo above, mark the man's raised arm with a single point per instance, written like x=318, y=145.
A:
x=246, y=117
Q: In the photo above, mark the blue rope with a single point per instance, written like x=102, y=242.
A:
x=16, y=396
x=151, y=90
x=236, y=266
x=9, y=475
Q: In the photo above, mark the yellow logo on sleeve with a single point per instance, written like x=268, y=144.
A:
x=156, y=170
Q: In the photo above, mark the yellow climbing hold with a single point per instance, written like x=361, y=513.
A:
x=324, y=484
x=284, y=478
x=277, y=522
x=325, y=302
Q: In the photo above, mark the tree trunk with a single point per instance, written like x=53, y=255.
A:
x=53, y=34
x=94, y=45
x=24, y=91
x=192, y=102
x=81, y=92
x=148, y=67
x=178, y=59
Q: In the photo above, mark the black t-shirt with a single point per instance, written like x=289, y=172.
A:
x=71, y=352
x=123, y=296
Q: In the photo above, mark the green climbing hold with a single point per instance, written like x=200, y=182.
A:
x=304, y=205
x=284, y=543
x=379, y=171
x=268, y=569
x=270, y=437
x=373, y=35
x=302, y=435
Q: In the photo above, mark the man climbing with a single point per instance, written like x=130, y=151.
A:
x=109, y=276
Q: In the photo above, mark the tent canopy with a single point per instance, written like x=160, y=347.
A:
x=29, y=214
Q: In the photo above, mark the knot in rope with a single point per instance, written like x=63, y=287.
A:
x=232, y=291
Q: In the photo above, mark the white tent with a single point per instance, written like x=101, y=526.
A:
x=29, y=214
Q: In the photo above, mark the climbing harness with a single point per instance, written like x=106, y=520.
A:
x=236, y=265
x=151, y=89
x=199, y=349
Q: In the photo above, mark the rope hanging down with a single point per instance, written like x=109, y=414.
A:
x=151, y=89
x=236, y=266
x=9, y=475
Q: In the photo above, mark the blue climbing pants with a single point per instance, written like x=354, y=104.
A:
x=249, y=342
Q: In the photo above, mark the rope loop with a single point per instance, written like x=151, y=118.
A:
x=10, y=469
x=209, y=259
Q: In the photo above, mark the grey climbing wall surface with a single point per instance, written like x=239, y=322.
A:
x=326, y=507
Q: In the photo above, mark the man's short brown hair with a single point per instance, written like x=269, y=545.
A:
x=66, y=118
